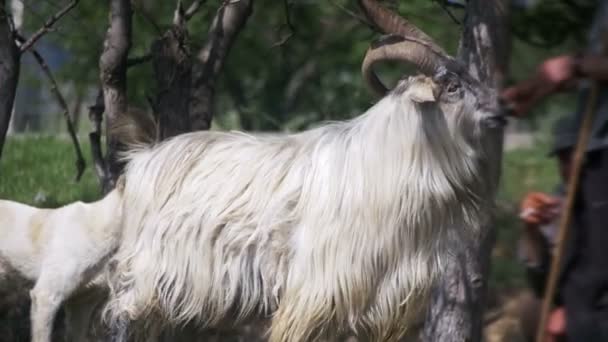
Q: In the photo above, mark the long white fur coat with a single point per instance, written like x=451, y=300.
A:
x=334, y=230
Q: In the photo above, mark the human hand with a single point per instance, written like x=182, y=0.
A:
x=552, y=75
x=558, y=71
x=556, y=325
x=538, y=208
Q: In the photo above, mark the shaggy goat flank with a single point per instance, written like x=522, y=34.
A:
x=340, y=229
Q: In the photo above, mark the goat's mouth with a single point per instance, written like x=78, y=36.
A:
x=498, y=117
x=495, y=119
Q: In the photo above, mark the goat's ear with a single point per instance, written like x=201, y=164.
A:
x=422, y=93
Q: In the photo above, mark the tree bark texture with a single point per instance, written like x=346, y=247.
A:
x=96, y=117
x=225, y=27
x=113, y=75
x=9, y=71
x=458, y=302
x=172, y=64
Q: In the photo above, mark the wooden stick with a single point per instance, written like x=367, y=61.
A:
x=566, y=218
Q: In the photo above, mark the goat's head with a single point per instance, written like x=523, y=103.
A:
x=466, y=104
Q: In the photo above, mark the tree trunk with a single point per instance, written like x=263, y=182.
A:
x=9, y=71
x=458, y=301
x=172, y=69
x=113, y=75
x=486, y=43
x=225, y=27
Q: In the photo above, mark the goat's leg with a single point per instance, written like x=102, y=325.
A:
x=59, y=279
x=45, y=304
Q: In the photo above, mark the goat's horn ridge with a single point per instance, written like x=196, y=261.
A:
x=397, y=48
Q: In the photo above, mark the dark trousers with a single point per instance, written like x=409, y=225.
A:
x=585, y=283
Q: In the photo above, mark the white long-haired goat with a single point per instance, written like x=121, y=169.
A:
x=63, y=251
x=340, y=229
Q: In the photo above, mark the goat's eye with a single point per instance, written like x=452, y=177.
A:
x=453, y=87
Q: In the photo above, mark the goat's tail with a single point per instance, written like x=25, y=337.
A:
x=135, y=129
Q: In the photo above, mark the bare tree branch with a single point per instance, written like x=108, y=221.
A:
x=113, y=75
x=77, y=106
x=299, y=78
x=133, y=61
x=48, y=26
x=292, y=29
x=147, y=16
x=96, y=117
x=172, y=63
x=9, y=71
x=179, y=15
x=448, y=12
x=80, y=163
x=355, y=16
x=225, y=27
x=194, y=7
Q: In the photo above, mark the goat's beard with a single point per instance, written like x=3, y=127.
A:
x=335, y=230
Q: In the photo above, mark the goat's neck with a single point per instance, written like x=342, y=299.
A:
x=423, y=166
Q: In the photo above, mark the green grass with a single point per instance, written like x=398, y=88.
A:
x=523, y=171
x=41, y=171
x=45, y=165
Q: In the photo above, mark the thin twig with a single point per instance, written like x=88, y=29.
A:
x=48, y=26
x=292, y=29
x=133, y=61
x=355, y=16
x=80, y=163
x=447, y=10
x=85, y=30
x=147, y=17
x=194, y=7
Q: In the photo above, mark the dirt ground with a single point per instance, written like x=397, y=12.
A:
x=513, y=319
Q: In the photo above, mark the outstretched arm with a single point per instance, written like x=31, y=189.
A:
x=554, y=75
x=593, y=67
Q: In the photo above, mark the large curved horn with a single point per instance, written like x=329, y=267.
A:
x=391, y=23
x=405, y=43
x=397, y=48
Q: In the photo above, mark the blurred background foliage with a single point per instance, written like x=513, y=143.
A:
x=313, y=75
